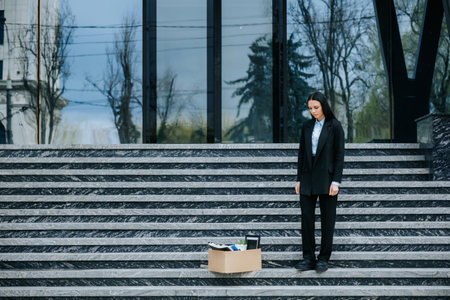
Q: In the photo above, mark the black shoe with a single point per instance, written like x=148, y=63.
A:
x=321, y=266
x=305, y=265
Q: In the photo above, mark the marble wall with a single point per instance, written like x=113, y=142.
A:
x=434, y=129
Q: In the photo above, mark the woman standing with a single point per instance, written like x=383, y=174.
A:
x=320, y=165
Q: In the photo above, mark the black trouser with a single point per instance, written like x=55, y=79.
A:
x=327, y=220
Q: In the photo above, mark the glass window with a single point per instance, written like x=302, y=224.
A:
x=300, y=76
x=103, y=88
x=346, y=66
x=181, y=71
x=91, y=68
x=409, y=18
x=90, y=71
x=19, y=63
x=247, y=71
x=440, y=89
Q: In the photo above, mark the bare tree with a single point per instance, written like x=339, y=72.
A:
x=334, y=32
x=119, y=83
x=179, y=117
x=322, y=38
x=169, y=105
x=440, y=93
x=56, y=36
x=350, y=36
x=413, y=10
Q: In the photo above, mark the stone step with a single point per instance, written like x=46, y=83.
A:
x=200, y=166
x=217, y=226
x=183, y=150
x=203, y=175
x=70, y=234
x=211, y=205
x=223, y=218
x=286, y=273
x=201, y=172
x=234, y=291
x=217, y=198
x=231, y=146
x=199, y=248
x=194, y=160
x=194, y=282
x=218, y=177
x=227, y=291
x=296, y=240
x=203, y=256
x=217, y=188
x=199, y=150
x=220, y=212
x=220, y=185
x=192, y=276
x=102, y=245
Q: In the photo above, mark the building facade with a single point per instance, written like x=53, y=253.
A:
x=18, y=69
x=212, y=71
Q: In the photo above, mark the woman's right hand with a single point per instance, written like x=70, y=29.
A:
x=297, y=188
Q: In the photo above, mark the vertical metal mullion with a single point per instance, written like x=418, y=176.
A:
x=38, y=78
x=149, y=72
x=214, y=71
x=279, y=71
x=396, y=73
x=427, y=53
x=384, y=13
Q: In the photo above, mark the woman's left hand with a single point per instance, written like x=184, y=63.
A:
x=334, y=190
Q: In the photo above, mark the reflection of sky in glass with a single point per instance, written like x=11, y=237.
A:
x=243, y=22
x=181, y=49
x=409, y=41
x=97, y=22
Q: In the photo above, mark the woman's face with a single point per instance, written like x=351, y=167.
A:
x=315, y=108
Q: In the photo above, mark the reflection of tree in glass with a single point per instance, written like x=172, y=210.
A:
x=372, y=122
x=172, y=126
x=335, y=34
x=168, y=105
x=440, y=91
x=257, y=91
x=298, y=88
x=56, y=35
x=119, y=83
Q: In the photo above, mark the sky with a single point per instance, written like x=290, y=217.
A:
x=88, y=109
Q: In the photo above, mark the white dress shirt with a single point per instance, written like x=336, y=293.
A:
x=316, y=134
x=315, y=140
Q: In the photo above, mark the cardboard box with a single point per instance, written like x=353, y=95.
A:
x=234, y=261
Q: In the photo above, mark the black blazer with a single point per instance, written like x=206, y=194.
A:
x=315, y=179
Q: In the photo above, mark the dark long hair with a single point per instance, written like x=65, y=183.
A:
x=318, y=96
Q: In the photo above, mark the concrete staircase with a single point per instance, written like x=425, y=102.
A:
x=110, y=222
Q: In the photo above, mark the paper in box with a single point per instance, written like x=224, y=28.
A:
x=234, y=261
